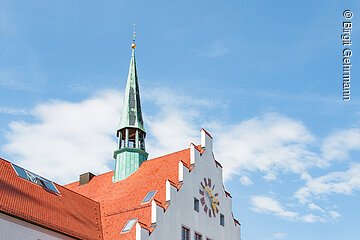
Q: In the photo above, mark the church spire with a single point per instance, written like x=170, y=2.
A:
x=131, y=113
x=131, y=132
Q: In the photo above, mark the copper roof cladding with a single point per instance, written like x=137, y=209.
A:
x=68, y=213
x=121, y=201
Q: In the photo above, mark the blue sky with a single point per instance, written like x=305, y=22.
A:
x=264, y=77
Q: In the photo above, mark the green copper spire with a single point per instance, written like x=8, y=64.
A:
x=131, y=133
x=131, y=112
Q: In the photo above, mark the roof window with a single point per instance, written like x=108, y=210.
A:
x=149, y=196
x=32, y=177
x=129, y=225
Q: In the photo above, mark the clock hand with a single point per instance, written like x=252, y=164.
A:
x=209, y=192
x=214, y=201
x=213, y=205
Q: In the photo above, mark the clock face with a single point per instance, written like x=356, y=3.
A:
x=208, y=199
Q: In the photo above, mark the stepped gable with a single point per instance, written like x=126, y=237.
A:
x=121, y=201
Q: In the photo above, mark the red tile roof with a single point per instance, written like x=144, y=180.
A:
x=69, y=213
x=102, y=205
x=121, y=201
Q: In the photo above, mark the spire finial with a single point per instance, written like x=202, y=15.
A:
x=133, y=45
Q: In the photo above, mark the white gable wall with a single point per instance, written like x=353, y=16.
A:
x=181, y=209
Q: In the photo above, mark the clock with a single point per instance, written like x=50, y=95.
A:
x=208, y=199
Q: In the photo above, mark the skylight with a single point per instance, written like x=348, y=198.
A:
x=149, y=196
x=32, y=177
x=129, y=225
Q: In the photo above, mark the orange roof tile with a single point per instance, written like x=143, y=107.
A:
x=121, y=201
x=69, y=213
x=103, y=208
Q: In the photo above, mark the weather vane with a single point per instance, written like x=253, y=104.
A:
x=133, y=45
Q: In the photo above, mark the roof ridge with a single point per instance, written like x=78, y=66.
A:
x=145, y=162
x=94, y=177
x=152, y=159
x=3, y=159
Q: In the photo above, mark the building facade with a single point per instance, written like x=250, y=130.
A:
x=180, y=195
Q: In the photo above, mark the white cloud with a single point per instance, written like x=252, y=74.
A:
x=314, y=207
x=245, y=180
x=279, y=235
x=170, y=131
x=270, y=143
x=334, y=215
x=68, y=138
x=13, y=111
x=265, y=204
x=342, y=182
x=173, y=126
x=270, y=176
x=330, y=216
x=269, y=205
x=338, y=145
x=311, y=218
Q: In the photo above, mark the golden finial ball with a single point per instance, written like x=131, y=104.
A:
x=133, y=45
